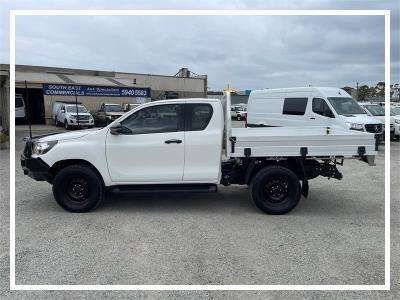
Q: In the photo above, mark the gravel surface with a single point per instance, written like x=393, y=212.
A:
x=335, y=236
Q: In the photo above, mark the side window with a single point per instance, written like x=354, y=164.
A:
x=295, y=106
x=320, y=107
x=197, y=116
x=155, y=119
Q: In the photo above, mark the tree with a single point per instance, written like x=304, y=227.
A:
x=348, y=89
x=364, y=92
x=380, y=89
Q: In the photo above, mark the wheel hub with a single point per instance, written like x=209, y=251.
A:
x=77, y=189
x=276, y=190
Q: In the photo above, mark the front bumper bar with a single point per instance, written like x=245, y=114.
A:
x=36, y=168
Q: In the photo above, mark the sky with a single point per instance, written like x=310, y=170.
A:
x=244, y=52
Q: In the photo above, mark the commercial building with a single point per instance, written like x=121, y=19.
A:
x=46, y=85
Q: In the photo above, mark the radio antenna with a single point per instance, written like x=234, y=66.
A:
x=76, y=105
x=28, y=111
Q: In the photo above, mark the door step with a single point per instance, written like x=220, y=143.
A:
x=164, y=188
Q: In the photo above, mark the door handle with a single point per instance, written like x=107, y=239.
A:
x=312, y=118
x=173, y=141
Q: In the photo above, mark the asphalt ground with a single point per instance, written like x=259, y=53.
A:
x=335, y=236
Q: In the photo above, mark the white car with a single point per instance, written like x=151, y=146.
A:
x=20, y=109
x=188, y=145
x=378, y=111
x=73, y=116
x=238, y=112
x=395, y=110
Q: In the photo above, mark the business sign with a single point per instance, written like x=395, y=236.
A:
x=100, y=91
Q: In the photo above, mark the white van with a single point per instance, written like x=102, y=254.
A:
x=309, y=106
x=20, y=110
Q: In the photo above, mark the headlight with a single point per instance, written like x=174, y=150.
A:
x=40, y=148
x=73, y=117
x=355, y=126
x=397, y=121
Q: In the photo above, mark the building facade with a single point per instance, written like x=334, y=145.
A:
x=43, y=86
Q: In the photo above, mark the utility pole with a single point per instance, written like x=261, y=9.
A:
x=357, y=91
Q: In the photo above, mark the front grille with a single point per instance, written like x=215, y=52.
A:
x=373, y=128
x=83, y=117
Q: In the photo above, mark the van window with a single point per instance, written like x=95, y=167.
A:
x=294, y=106
x=319, y=106
x=19, y=102
x=155, y=119
x=197, y=116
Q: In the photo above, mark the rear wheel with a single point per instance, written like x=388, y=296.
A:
x=78, y=188
x=275, y=190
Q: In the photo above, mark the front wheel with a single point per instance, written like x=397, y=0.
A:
x=78, y=188
x=66, y=126
x=275, y=190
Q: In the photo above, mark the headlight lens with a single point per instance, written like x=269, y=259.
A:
x=73, y=117
x=40, y=148
x=397, y=121
x=355, y=126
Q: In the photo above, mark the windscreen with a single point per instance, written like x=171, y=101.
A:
x=113, y=108
x=72, y=109
x=395, y=111
x=346, y=106
x=375, y=110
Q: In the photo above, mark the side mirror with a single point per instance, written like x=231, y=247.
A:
x=119, y=129
x=62, y=110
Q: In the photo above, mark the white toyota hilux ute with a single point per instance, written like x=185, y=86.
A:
x=189, y=145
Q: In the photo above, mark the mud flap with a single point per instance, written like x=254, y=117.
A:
x=305, y=188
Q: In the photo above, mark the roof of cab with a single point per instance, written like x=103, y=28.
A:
x=324, y=91
x=186, y=100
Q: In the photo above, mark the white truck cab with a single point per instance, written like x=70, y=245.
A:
x=189, y=145
x=309, y=106
x=73, y=116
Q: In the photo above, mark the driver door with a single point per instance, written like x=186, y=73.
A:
x=321, y=115
x=152, y=150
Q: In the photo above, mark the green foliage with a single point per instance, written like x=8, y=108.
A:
x=3, y=137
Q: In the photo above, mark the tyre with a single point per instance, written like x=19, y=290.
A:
x=78, y=188
x=66, y=126
x=275, y=190
x=56, y=122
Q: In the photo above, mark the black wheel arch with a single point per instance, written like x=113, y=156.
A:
x=254, y=166
x=58, y=166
